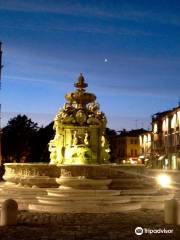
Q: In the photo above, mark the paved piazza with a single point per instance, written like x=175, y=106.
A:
x=42, y=226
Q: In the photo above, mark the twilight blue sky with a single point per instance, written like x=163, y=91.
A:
x=47, y=43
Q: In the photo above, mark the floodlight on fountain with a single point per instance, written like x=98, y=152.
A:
x=164, y=180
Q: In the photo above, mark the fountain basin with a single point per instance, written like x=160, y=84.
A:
x=46, y=175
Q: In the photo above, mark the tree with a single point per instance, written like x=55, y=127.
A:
x=110, y=132
x=17, y=139
x=40, y=146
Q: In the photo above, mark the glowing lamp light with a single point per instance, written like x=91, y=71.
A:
x=164, y=180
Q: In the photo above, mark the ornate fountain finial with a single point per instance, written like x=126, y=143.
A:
x=80, y=96
x=80, y=84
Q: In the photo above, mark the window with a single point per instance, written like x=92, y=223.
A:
x=135, y=152
x=131, y=152
x=140, y=140
x=155, y=128
x=173, y=121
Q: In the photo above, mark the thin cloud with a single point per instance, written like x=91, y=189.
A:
x=159, y=92
x=26, y=79
x=36, y=80
x=91, y=29
x=101, y=10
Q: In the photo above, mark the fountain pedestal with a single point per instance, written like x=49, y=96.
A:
x=83, y=177
x=83, y=183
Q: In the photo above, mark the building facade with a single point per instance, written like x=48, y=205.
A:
x=125, y=147
x=166, y=139
x=145, y=142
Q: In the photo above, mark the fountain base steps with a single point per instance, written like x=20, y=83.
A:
x=74, y=192
x=85, y=208
x=94, y=201
x=84, y=200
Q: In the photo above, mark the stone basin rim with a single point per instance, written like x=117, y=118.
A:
x=102, y=164
x=60, y=165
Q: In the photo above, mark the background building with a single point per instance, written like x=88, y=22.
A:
x=166, y=139
x=125, y=146
x=159, y=148
x=145, y=141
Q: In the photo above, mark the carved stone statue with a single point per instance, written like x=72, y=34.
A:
x=75, y=139
x=86, y=139
x=81, y=117
x=53, y=153
x=105, y=149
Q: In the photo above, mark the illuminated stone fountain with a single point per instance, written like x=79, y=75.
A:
x=80, y=144
x=78, y=152
x=79, y=177
x=80, y=130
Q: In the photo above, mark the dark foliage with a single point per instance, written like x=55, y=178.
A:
x=24, y=141
x=17, y=138
x=110, y=132
x=40, y=151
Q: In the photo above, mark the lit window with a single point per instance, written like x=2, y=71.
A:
x=173, y=121
x=155, y=129
x=178, y=116
x=140, y=140
x=164, y=126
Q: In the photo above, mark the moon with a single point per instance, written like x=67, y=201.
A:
x=105, y=60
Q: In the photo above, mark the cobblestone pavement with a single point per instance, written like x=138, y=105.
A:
x=113, y=226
